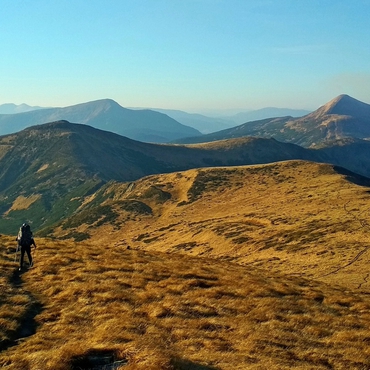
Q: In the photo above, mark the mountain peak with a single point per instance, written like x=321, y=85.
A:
x=108, y=115
x=96, y=105
x=346, y=105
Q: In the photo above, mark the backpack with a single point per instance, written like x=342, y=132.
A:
x=25, y=235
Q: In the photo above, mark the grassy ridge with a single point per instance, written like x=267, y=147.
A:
x=293, y=217
x=257, y=267
x=160, y=311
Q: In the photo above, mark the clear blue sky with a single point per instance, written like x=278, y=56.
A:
x=184, y=54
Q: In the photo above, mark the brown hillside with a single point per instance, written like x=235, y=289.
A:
x=340, y=118
x=295, y=217
x=104, y=307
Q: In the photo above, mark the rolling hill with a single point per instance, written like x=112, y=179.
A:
x=286, y=285
x=106, y=114
x=342, y=117
x=49, y=166
x=296, y=217
x=350, y=153
x=237, y=254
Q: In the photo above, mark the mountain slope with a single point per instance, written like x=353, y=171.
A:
x=207, y=124
x=269, y=127
x=55, y=165
x=264, y=113
x=295, y=217
x=350, y=153
x=344, y=105
x=98, y=307
x=143, y=125
x=340, y=118
x=200, y=122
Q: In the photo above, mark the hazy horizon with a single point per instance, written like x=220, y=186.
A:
x=227, y=113
x=197, y=56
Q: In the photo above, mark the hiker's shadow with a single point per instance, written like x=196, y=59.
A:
x=16, y=279
x=27, y=323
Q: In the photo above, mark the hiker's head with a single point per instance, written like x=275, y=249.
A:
x=25, y=226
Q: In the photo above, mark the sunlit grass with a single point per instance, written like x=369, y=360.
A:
x=14, y=301
x=260, y=267
x=162, y=311
x=296, y=217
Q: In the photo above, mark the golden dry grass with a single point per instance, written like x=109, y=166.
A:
x=293, y=217
x=255, y=267
x=23, y=202
x=172, y=311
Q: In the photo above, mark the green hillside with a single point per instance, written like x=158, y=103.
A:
x=48, y=170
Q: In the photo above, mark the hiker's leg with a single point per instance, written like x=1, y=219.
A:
x=22, y=257
x=28, y=250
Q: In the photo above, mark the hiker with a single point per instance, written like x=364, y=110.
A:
x=25, y=240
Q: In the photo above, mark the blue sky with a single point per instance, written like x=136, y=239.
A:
x=193, y=55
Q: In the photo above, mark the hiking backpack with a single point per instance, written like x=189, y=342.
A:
x=25, y=235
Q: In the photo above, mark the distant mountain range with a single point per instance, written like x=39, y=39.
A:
x=204, y=124
x=263, y=113
x=11, y=108
x=207, y=124
x=142, y=125
x=343, y=117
